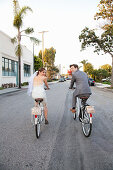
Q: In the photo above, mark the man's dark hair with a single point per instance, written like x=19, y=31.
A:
x=75, y=65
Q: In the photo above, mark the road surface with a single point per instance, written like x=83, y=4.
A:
x=62, y=145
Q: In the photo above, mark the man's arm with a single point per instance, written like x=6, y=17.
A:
x=72, y=82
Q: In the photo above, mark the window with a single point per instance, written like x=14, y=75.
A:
x=27, y=70
x=8, y=67
x=3, y=66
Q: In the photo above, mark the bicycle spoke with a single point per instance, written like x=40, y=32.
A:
x=86, y=125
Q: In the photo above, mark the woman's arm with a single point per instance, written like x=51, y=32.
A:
x=45, y=81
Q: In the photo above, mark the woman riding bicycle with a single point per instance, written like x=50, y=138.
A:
x=37, y=88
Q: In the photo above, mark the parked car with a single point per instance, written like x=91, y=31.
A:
x=91, y=82
x=107, y=79
x=61, y=80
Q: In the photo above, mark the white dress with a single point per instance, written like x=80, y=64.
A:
x=39, y=92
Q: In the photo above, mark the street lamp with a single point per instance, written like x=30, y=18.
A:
x=42, y=32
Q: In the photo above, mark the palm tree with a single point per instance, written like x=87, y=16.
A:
x=19, y=13
x=84, y=64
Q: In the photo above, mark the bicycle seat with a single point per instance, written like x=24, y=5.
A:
x=84, y=97
x=39, y=99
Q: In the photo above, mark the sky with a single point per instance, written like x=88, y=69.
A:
x=64, y=20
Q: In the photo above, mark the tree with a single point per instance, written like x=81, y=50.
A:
x=99, y=74
x=19, y=14
x=105, y=41
x=106, y=13
x=88, y=68
x=95, y=74
x=37, y=63
x=84, y=63
x=108, y=68
x=49, y=59
x=49, y=56
x=52, y=71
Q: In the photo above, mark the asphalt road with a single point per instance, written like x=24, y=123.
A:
x=62, y=145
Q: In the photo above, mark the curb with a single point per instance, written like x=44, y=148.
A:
x=10, y=91
x=16, y=89
x=104, y=87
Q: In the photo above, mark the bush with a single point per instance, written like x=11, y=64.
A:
x=106, y=82
x=49, y=80
x=24, y=84
x=54, y=79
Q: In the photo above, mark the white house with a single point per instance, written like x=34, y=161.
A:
x=9, y=62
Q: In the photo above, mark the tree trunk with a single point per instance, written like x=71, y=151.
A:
x=19, y=58
x=112, y=73
x=19, y=66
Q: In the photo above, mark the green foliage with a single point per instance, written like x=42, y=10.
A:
x=104, y=43
x=88, y=68
x=107, y=67
x=49, y=56
x=37, y=63
x=40, y=54
x=106, y=82
x=19, y=14
x=24, y=84
x=49, y=59
x=99, y=74
x=35, y=40
x=14, y=40
x=84, y=63
x=105, y=12
x=29, y=30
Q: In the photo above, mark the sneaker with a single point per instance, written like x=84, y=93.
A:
x=46, y=122
x=72, y=110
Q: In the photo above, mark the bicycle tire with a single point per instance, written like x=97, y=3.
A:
x=80, y=115
x=86, y=123
x=37, y=130
x=74, y=116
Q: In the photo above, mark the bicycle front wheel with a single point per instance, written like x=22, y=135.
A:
x=86, y=123
x=37, y=130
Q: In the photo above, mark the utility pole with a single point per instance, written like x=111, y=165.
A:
x=42, y=32
x=33, y=58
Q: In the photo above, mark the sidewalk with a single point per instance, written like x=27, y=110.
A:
x=104, y=86
x=100, y=85
x=10, y=90
x=16, y=89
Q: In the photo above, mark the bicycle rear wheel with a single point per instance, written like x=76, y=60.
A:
x=37, y=125
x=74, y=116
x=37, y=130
x=86, y=123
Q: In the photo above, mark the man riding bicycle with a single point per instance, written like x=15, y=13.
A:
x=82, y=85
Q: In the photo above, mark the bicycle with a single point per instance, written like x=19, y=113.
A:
x=84, y=112
x=38, y=115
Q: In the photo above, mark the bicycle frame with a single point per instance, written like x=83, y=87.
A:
x=37, y=119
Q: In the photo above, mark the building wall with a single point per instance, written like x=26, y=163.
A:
x=7, y=50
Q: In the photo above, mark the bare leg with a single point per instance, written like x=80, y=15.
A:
x=45, y=111
x=36, y=103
